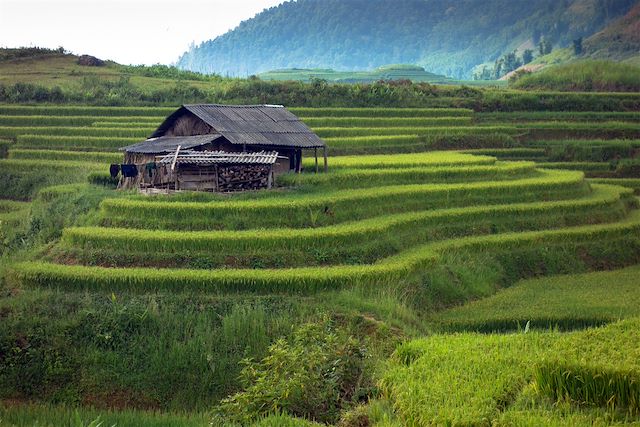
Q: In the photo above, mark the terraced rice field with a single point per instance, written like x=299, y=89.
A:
x=380, y=216
x=514, y=195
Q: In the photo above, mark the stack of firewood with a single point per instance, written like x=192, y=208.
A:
x=240, y=178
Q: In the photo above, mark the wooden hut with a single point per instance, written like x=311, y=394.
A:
x=229, y=129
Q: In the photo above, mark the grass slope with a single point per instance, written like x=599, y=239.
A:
x=566, y=302
x=601, y=76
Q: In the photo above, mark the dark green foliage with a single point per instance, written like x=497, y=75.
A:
x=628, y=168
x=545, y=47
x=315, y=375
x=151, y=351
x=577, y=46
x=527, y=56
x=23, y=178
x=29, y=52
x=4, y=148
x=103, y=179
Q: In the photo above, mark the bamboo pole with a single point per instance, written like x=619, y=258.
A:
x=326, y=162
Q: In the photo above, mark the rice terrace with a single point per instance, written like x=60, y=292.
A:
x=179, y=248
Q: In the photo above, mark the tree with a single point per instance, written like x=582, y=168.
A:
x=527, y=56
x=577, y=46
x=545, y=47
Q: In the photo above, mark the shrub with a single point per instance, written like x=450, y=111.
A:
x=103, y=179
x=314, y=375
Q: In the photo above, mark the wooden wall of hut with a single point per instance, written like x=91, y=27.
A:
x=223, y=178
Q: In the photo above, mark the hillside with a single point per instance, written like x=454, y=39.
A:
x=445, y=37
x=583, y=76
x=51, y=68
x=618, y=41
x=358, y=289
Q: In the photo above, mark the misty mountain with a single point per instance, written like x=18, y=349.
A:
x=447, y=37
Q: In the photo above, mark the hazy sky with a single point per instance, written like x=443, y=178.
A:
x=127, y=31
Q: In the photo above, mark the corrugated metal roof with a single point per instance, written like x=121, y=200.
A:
x=222, y=157
x=270, y=125
x=169, y=144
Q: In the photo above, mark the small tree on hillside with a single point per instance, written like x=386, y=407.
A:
x=577, y=46
x=527, y=56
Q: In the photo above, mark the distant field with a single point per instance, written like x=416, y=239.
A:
x=63, y=71
x=390, y=72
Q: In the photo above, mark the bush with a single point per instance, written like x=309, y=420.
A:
x=314, y=375
x=628, y=168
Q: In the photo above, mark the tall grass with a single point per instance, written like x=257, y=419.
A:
x=563, y=116
x=469, y=379
x=333, y=132
x=598, y=367
x=61, y=120
x=381, y=122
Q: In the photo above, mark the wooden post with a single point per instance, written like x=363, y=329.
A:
x=173, y=166
x=315, y=153
x=298, y=161
x=326, y=163
x=270, y=180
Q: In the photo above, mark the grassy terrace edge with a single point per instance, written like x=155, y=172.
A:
x=301, y=280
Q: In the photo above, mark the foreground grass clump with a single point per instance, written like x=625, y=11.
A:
x=565, y=302
x=168, y=352
x=459, y=379
x=472, y=379
x=30, y=415
x=597, y=76
x=599, y=367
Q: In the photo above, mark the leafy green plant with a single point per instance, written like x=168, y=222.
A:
x=314, y=375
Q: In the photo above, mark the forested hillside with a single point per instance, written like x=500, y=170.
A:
x=447, y=37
